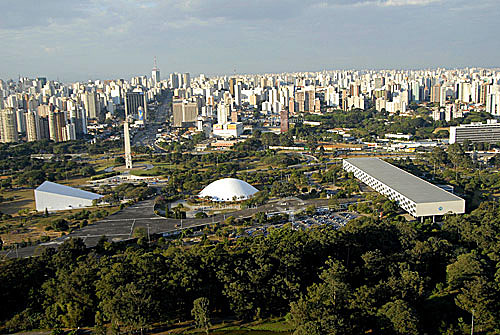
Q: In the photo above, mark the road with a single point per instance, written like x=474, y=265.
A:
x=147, y=136
x=121, y=225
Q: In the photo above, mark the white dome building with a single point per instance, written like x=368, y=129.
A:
x=228, y=189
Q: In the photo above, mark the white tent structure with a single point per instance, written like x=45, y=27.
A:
x=228, y=189
x=55, y=197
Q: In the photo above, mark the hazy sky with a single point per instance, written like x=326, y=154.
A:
x=106, y=39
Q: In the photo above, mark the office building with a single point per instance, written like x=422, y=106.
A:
x=488, y=132
x=230, y=129
x=185, y=113
x=415, y=195
x=134, y=100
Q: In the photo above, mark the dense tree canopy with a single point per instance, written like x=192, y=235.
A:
x=373, y=275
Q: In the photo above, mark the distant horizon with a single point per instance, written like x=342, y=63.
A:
x=165, y=75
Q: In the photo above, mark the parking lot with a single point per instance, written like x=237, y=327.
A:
x=325, y=216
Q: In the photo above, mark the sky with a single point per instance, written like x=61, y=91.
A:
x=74, y=40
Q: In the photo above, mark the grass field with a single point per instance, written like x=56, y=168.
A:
x=23, y=199
x=32, y=228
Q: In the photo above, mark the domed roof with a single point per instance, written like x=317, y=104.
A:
x=228, y=189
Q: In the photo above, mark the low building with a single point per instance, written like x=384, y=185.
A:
x=231, y=129
x=228, y=189
x=488, y=132
x=415, y=195
x=56, y=197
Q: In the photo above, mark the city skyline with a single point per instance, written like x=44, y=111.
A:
x=118, y=39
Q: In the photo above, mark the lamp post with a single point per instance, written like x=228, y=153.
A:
x=472, y=323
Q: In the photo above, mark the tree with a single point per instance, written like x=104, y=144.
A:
x=464, y=269
x=400, y=317
x=200, y=313
x=437, y=157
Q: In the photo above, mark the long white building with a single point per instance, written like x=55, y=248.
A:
x=415, y=195
x=488, y=132
x=56, y=197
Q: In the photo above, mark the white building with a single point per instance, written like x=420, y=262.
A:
x=55, y=197
x=415, y=195
x=488, y=132
x=231, y=129
x=228, y=189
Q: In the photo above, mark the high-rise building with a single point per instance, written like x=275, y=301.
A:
x=232, y=84
x=57, y=124
x=69, y=132
x=222, y=113
x=436, y=93
x=155, y=74
x=134, y=100
x=185, y=113
x=237, y=95
x=92, y=105
x=300, y=97
x=8, y=125
x=52, y=127
x=493, y=104
x=43, y=126
x=309, y=100
x=284, y=120
x=21, y=121
x=186, y=80
x=174, y=80
x=32, y=126
x=291, y=106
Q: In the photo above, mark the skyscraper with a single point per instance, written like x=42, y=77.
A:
x=8, y=126
x=222, y=113
x=155, y=74
x=32, y=126
x=232, y=84
x=436, y=93
x=174, y=80
x=92, y=105
x=57, y=124
x=186, y=80
x=309, y=101
x=237, y=95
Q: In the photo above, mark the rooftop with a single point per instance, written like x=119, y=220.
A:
x=412, y=187
x=50, y=187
